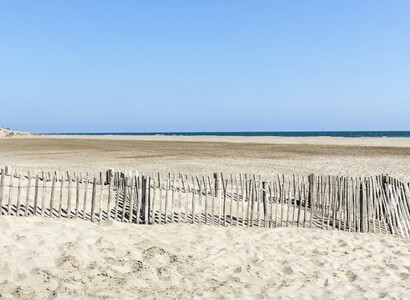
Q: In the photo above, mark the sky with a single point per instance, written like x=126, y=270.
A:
x=169, y=66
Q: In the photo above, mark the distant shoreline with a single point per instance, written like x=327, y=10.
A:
x=348, y=134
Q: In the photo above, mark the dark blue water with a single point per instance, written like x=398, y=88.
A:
x=267, y=133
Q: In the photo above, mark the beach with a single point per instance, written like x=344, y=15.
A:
x=47, y=258
x=266, y=156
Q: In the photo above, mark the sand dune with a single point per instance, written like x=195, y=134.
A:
x=6, y=132
x=72, y=258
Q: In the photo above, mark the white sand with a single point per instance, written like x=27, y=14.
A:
x=72, y=258
x=266, y=156
x=45, y=258
x=6, y=132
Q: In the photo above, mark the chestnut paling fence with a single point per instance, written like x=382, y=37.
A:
x=379, y=204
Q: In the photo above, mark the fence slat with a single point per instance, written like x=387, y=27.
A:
x=2, y=184
x=10, y=200
x=18, y=196
x=93, y=196
x=379, y=204
x=85, y=183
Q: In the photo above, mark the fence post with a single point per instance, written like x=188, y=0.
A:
x=311, y=188
x=361, y=206
x=144, y=193
x=265, y=206
x=93, y=200
x=216, y=185
x=2, y=179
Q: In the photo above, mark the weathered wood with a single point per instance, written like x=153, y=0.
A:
x=251, y=203
x=300, y=205
x=60, y=203
x=2, y=184
x=141, y=194
x=270, y=187
x=265, y=203
x=305, y=200
x=213, y=200
x=18, y=196
x=43, y=194
x=311, y=191
x=282, y=198
x=237, y=199
x=7, y=171
x=386, y=207
x=206, y=200
x=311, y=199
x=288, y=203
x=173, y=198
x=277, y=199
x=93, y=200
x=402, y=210
x=168, y=186
x=323, y=196
x=258, y=201
x=216, y=181
x=193, y=201
x=178, y=199
x=69, y=195
x=368, y=204
x=154, y=196
x=230, y=187
x=220, y=201
x=125, y=197
x=10, y=200
x=133, y=195
x=225, y=195
x=185, y=187
x=85, y=183
x=161, y=208
x=362, y=207
x=294, y=198
x=117, y=198
x=100, y=197
x=405, y=209
x=335, y=202
x=146, y=203
x=36, y=192
x=243, y=198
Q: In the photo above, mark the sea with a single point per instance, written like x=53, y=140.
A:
x=350, y=134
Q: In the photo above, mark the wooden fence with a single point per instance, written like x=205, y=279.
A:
x=379, y=204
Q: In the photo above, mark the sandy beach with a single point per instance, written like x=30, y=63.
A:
x=199, y=155
x=50, y=258
x=44, y=259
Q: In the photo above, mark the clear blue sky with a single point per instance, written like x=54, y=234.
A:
x=138, y=66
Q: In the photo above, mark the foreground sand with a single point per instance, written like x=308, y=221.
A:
x=65, y=258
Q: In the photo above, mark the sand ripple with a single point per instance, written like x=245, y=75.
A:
x=65, y=258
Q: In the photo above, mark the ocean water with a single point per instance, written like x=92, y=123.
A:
x=402, y=134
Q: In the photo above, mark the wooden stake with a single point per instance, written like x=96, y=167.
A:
x=2, y=183
x=18, y=196
x=265, y=203
x=93, y=201
x=69, y=197
x=61, y=196
x=36, y=188
x=10, y=195
x=43, y=194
